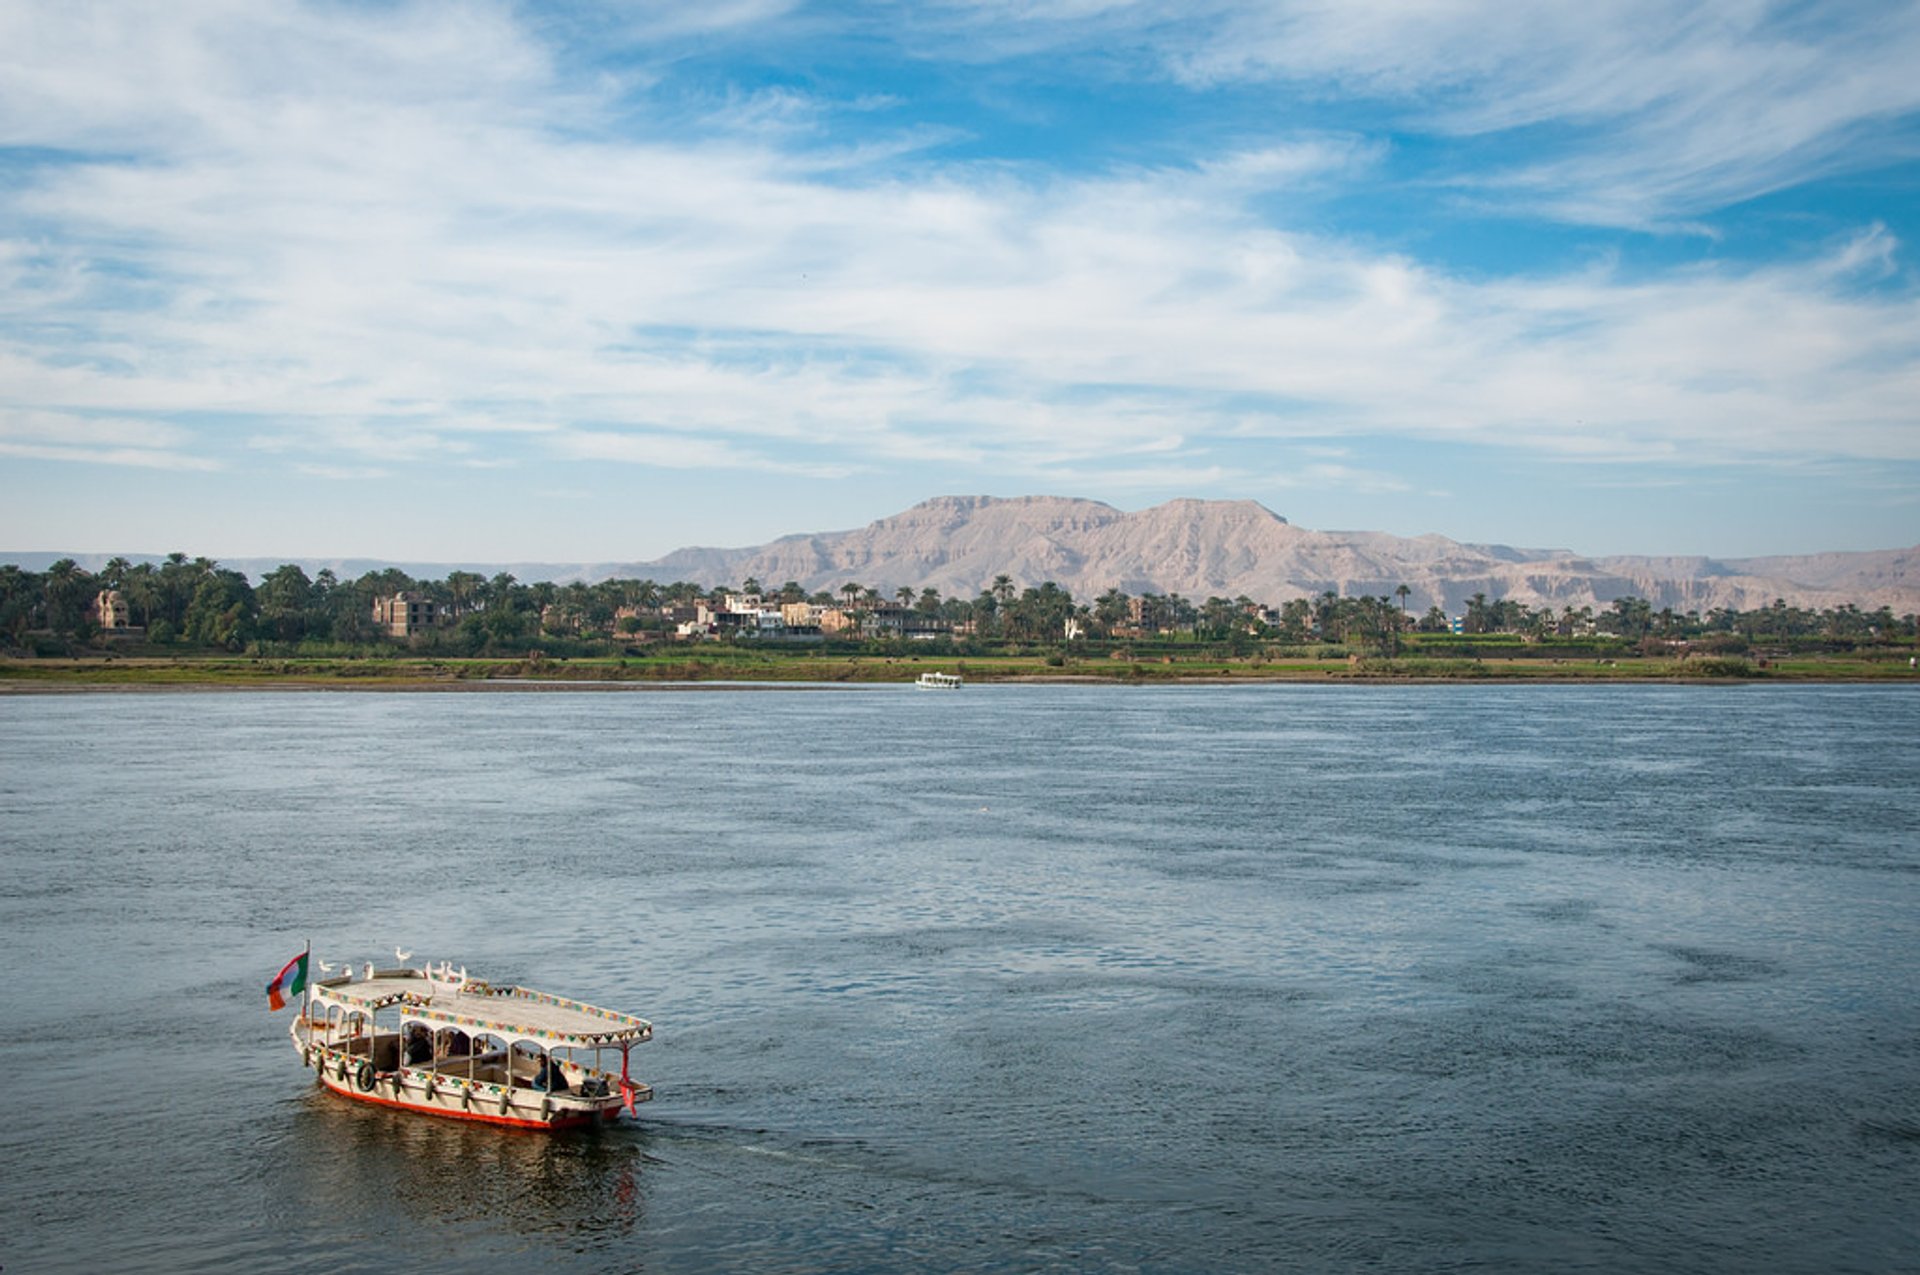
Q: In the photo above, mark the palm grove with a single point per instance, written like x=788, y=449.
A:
x=195, y=603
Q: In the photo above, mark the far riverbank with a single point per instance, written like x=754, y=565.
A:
x=798, y=672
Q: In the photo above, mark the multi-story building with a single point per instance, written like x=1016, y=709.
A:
x=406, y=613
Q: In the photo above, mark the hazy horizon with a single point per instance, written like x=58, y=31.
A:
x=92, y=559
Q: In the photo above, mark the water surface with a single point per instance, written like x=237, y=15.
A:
x=1013, y=979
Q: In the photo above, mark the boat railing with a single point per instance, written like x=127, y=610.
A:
x=490, y=1069
x=508, y=1069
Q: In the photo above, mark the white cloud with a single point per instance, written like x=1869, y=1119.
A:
x=42, y=435
x=1290, y=165
x=1323, y=476
x=390, y=241
x=675, y=452
x=137, y=457
x=1661, y=112
x=344, y=473
x=90, y=431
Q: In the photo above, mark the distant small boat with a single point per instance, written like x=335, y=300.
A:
x=939, y=682
x=498, y=1055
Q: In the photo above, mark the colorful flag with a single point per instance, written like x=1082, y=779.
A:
x=290, y=981
x=627, y=1091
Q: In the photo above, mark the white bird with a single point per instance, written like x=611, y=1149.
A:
x=401, y=956
x=369, y=969
x=463, y=976
x=324, y=967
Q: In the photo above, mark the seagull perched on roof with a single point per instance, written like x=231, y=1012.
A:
x=401, y=956
x=324, y=967
x=369, y=969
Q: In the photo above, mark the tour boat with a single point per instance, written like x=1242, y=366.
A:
x=939, y=682
x=447, y=1045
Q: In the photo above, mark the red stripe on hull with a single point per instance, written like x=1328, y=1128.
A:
x=585, y=1121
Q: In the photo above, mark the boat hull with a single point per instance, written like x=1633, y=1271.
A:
x=457, y=1098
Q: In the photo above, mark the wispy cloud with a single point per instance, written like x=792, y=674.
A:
x=377, y=238
x=675, y=452
x=344, y=473
x=1658, y=112
x=1323, y=475
x=136, y=457
x=42, y=435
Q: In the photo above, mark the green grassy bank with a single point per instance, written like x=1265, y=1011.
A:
x=736, y=665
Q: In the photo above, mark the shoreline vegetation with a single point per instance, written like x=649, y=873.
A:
x=189, y=623
x=816, y=670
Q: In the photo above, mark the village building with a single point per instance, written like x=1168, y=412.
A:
x=110, y=611
x=840, y=621
x=901, y=622
x=748, y=615
x=406, y=613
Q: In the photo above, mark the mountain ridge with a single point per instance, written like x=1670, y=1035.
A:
x=1202, y=548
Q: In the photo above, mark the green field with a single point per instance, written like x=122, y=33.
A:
x=725, y=664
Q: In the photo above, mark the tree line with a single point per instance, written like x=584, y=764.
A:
x=196, y=602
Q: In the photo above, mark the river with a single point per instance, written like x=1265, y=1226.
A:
x=1582, y=978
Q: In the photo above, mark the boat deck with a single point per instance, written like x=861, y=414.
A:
x=477, y=1006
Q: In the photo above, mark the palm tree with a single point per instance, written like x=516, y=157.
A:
x=1217, y=614
x=140, y=592
x=284, y=598
x=65, y=584
x=175, y=589
x=1181, y=614
x=19, y=591
x=463, y=588
x=1325, y=612
x=1388, y=621
x=1296, y=618
x=1402, y=592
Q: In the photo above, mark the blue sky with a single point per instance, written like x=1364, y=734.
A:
x=593, y=281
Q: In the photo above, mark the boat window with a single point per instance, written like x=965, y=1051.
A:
x=416, y=1042
x=484, y=1062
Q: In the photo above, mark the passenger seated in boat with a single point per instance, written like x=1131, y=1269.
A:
x=454, y=1044
x=419, y=1048
x=550, y=1078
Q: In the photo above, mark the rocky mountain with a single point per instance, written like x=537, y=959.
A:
x=1202, y=548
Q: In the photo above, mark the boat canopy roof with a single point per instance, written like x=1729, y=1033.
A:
x=475, y=1006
